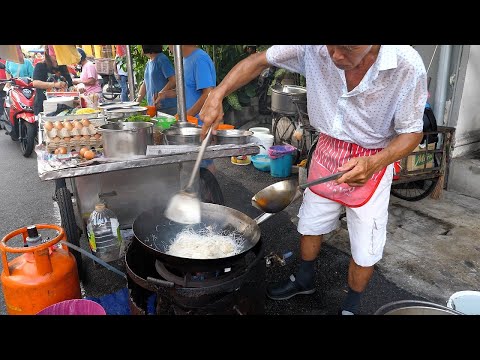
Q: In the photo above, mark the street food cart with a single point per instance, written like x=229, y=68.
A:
x=127, y=186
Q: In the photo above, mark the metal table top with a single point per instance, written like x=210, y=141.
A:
x=211, y=152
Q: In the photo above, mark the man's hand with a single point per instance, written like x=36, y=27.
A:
x=211, y=113
x=359, y=171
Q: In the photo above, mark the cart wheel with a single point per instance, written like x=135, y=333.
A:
x=415, y=190
x=69, y=224
x=210, y=191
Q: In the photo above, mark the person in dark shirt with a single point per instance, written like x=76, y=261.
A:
x=48, y=76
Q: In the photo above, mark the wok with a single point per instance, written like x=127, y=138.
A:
x=155, y=233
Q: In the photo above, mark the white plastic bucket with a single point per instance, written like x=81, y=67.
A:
x=467, y=302
x=266, y=140
x=260, y=130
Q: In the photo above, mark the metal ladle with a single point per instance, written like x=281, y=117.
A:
x=184, y=207
x=278, y=196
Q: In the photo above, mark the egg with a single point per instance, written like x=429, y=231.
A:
x=85, y=122
x=82, y=151
x=58, y=125
x=89, y=155
x=62, y=150
x=48, y=125
x=77, y=125
x=68, y=125
x=97, y=136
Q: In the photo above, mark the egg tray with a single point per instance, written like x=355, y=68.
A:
x=75, y=145
x=72, y=143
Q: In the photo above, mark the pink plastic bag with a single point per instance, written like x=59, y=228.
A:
x=74, y=307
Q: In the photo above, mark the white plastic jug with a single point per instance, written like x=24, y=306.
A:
x=265, y=140
x=260, y=130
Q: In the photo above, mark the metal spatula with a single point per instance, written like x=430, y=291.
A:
x=184, y=207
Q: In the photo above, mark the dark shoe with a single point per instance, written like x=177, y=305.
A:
x=287, y=289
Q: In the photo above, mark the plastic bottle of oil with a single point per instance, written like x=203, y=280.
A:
x=104, y=235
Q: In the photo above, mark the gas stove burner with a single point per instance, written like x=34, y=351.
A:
x=236, y=289
x=198, y=279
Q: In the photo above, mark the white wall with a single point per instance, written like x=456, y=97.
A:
x=467, y=135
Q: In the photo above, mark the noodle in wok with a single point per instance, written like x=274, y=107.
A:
x=205, y=244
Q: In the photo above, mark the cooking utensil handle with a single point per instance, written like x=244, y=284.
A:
x=159, y=282
x=199, y=158
x=263, y=217
x=322, y=180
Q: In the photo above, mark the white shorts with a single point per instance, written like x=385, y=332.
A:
x=367, y=224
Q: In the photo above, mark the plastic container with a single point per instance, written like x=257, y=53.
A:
x=261, y=162
x=263, y=130
x=466, y=302
x=74, y=307
x=151, y=110
x=104, y=235
x=225, y=127
x=282, y=166
x=265, y=140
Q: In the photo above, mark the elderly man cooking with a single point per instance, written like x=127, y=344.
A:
x=367, y=103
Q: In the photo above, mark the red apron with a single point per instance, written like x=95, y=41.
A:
x=329, y=155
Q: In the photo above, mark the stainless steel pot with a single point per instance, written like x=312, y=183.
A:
x=126, y=139
x=283, y=97
x=233, y=136
x=414, y=307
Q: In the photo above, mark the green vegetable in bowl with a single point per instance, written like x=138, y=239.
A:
x=138, y=118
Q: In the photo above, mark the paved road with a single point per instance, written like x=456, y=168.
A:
x=25, y=200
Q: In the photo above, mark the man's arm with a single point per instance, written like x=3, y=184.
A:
x=171, y=84
x=199, y=103
x=141, y=92
x=362, y=168
x=241, y=74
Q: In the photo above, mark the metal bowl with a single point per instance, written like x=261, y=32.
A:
x=127, y=111
x=233, y=136
x=183, y=136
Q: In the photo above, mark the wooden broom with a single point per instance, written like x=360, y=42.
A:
x=438, y=190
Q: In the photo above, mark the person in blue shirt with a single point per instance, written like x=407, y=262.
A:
x=159, y=77
x=14, y=69
x=200, y=78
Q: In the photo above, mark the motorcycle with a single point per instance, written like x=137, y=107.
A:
x=111, y=88
x=18, y=118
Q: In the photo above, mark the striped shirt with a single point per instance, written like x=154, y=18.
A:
x=389, y=100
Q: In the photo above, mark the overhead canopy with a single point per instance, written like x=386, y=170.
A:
x=11, y=53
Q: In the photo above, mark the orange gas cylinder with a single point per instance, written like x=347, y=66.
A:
x=43, y=275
